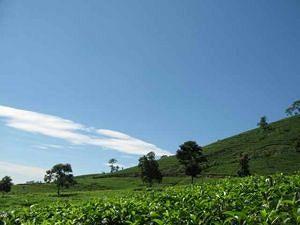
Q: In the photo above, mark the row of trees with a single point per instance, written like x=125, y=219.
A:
x=191, y=156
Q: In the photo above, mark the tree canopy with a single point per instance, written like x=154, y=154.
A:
x=113, y=167
x=190, y=154
x=263, y=124
x=293, y=109
x=61, y=175
x=244, y=166
x=150, y=169
x=6, y=184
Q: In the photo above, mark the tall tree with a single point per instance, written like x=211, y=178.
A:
x=297, y=145
x=244, y=166
x=190, y=154
x=5, y=184
x=150, y=169
x=293, y=109
x=113, y=167
x=263, y=124
x=61, y=175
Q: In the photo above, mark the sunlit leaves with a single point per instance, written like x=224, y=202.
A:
x=272, y=200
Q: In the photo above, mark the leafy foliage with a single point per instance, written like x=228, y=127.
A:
x=297, y=145
x=61, y=175
x=244, y=166
x=190, y=155
x=294, y=109
x=263, y=124
x=150, y=169
x=113, y=168
x=253, y=200
x=5, y=184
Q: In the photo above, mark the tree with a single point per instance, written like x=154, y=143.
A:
x=297, y=145
x=163, y=157
x=5, y=184
x=150, y=169
x=190, y=154
x=263, y=124
x=112, y=166
x=293, y=109
x=61, y=175
x=244, y=166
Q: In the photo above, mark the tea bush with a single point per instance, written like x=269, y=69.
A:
x=254, y=200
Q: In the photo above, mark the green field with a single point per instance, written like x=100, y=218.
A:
x=86, y=188
x=254, y=200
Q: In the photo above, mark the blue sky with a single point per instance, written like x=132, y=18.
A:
x=84, y=81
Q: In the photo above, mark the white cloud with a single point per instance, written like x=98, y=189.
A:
x=117, y=164
x=75, y=133
x=49, y=146
x=21, y=173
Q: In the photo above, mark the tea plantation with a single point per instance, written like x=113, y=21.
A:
x=254, y=200
x=267, y=197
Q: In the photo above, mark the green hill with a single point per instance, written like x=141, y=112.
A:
x=270, y=152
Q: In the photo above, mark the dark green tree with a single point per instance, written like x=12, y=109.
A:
x=150, y=169
x=190, y=154
x=293, y=109
x=5, y=184
x=61, y=175
x=112, y=166
x=244, y=166
x=297, y=145
x=263, y=124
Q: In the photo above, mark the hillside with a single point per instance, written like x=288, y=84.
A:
x=272, y=151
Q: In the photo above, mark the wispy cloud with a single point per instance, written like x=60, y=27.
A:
x=49, y=146
x=20, y=173
x=75, y=133
x=117, y=164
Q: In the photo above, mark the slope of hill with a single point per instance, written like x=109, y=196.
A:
x=270, y=152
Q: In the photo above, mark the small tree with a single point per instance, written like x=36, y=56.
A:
x=263, y=124
x=61, y=175
x=293, y=109
x=244, y=166
x=5, y=184
x=190, y=154
x=150, y=169
x=163, y=157
x=297, y=145
x=112, y=166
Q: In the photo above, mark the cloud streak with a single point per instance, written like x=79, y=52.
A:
x=75, y=133
x=20, y=173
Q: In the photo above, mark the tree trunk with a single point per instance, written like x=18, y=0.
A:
x=58, y=191
x=192, y=179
